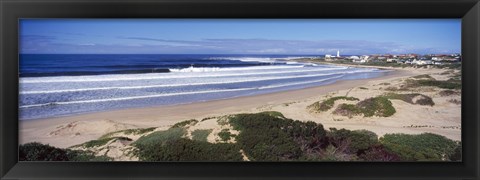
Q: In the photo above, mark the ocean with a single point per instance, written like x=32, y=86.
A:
x=53, y=85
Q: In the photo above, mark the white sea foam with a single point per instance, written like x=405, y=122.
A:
x=215, y=69
x=133, y=97
x=173, y=94
x=153, y=76
x=185, y=84
x=259, y=59
x=173, y=85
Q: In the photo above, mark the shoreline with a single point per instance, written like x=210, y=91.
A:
x=66, y=131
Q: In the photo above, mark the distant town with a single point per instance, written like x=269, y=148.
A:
x=413, y=59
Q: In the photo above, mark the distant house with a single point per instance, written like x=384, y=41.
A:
x=437, y=58
x=354, y=57
x=381, y=58
x=392, y=60
x=364, y=57
x=422, y=62
x=359, y=60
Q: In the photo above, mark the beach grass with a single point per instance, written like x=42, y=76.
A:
x=413, y=98
x=327, y=104
x=225, y=135
x=102, y=141
x=182, y=124
x=201, y=134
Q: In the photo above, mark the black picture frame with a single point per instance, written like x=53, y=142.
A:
x=12, y=10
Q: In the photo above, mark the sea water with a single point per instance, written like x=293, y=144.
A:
x=62, y=85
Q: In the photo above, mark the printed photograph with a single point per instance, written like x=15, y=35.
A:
x=239, y=90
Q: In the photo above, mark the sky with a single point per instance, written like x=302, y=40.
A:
x=240, y=36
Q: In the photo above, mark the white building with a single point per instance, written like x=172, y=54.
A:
x=338, y=53
x=392, y=60
x=423, y=62
x=354, y=57
x=364, y=57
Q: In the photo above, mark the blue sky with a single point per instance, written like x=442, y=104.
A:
x=239, y=36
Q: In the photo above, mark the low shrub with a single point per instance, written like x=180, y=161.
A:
x=328, y=103
x=160, y=137
x=128, y=132
x=39, y=152
x=449, y=84
x=448, y=93
x=378, y=153
x=188, y=150
x=225, y=135
x=274, y=114
x=268, y=138
x=409, y=98
x=182, y=124
x=422, y=147
x=170, y=145
x=355, y=141
x=423, y=76
x=455, y=101
x=139, y=131
x=201, y=134
x=349, y=110
x=391, y=88
x=102, y=141
x=377, y=106
x=263, y=139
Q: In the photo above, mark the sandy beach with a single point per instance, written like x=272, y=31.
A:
x=443, y=118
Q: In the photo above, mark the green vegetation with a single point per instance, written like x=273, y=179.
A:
x=448, y=93
x=103, y=141
x=364, y=88
x=328, y=103
x=128, y=132
x=358, y=140
x=384, y=84
x=274, y=114
x=207, y=118
x=422, y=147
x=39, y=152
x=160, y=137
x=423, y=76
x=271, y=137
x=201, y=134
x=223, y=120
x=447, y=72
x=349, y=110
x=377, y=106
x=170, y=146
x=455, y=101
x=139, y=131
x=182, y=124
x=189, y=150
x=421, y=99
x=448, y=84
x=225, y=135
x=262, y=139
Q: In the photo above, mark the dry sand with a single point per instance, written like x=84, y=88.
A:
x=443, y=118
